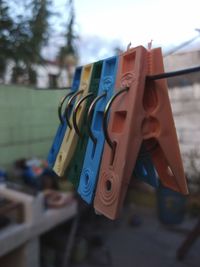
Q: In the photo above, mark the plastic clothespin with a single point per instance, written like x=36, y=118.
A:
x=74, y=169
x=119, y=157
x=144, y=168
x=96, y=141
x=142, y=114
x=158, y=128
x=63, y=125
x=70, y=139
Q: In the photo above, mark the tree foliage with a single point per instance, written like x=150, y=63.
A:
x=23, y=35
x=39, y=26
x=68, y=55
x=6, y=25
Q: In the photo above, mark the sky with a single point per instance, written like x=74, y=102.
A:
x=105, y=24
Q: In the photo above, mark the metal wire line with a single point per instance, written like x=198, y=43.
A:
x=164, y=75
x=173, y=73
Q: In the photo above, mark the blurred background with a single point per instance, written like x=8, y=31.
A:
x=41, y=43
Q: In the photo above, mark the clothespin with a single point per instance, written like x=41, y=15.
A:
x=63, y=125
x=70, y=139
x=144, y=168
x=140, y=113
x=158, y=127
x=74, y=169
x=96, y=141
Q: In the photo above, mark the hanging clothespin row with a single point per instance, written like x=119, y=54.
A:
x=73, y=171
x=70, y=139
x=140, y=113
x=92, y=160
x=63, y=125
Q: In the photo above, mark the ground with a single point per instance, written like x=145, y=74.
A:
x=148, y=243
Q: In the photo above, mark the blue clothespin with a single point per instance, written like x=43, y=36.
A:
x=95, y=145
x=144, y=169
x=63, y=126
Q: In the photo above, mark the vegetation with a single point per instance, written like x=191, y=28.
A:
x=68, y=54
x=24, y=31
x=6, y=25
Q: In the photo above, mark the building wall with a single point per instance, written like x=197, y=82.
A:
x=43, y=72
x=180, y=61
x=186, y=110
x=28, y=121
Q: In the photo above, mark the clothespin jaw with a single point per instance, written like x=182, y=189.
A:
x=71, y=138
x=73, y=171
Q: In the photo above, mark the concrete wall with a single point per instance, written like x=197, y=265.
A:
x=186, y=109
x=182, y=60
x=28, y=121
